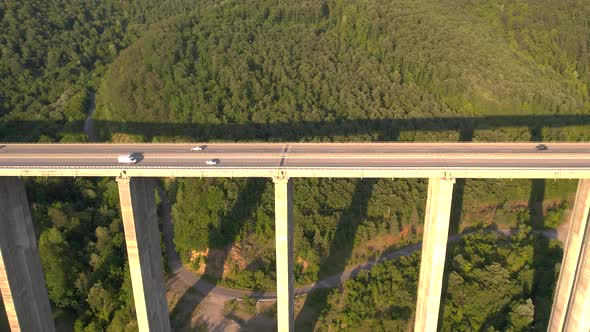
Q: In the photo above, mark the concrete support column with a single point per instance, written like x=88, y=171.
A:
x=571, y=304
x=21, y=278
x=140, y=222
x=284, y=258
x=434, y=248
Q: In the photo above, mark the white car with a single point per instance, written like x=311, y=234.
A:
x=127, y=159
x=198, y=148
x=212, y=162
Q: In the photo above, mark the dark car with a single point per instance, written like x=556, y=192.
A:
x=541, y=147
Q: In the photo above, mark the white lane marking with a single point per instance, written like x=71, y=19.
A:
x=256, y=156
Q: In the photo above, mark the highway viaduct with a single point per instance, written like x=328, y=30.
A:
x=21, y=278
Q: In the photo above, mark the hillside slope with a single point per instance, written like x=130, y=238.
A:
x=327, y=62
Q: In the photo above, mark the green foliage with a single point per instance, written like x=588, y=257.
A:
x=101, y=301
x=480, y=285
x=380, y=299
x=555, y=216
x=82, y=251
x=76, y=106
x=149, y=11
x=521, y=314
x=278, y=62
x=249, y=304
x=209, y=213
x=230, y=306
x=485, y=291
x=257, y=279
x=58, y=264
x=49, y=61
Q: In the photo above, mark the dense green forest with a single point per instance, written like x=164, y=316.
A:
x=51, y=55
x=494, y=283
x=333, y=70
x=317, y=63
x=82, y=251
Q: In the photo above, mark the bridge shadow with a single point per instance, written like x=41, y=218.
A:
x=340, y=248
x=343, y=129
x=222, y=237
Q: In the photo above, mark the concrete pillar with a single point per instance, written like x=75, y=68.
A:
x=21, y=278
x=571, y=304
x=284, y=258
x=434, y=248
x=140, y=222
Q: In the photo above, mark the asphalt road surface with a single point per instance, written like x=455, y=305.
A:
x=300, y=155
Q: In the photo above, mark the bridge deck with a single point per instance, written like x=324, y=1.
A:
x=351, y=160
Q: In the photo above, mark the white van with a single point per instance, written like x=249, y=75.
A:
x=126, y=159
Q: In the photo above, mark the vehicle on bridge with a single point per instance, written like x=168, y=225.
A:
x=212, y=162
x=127, y=159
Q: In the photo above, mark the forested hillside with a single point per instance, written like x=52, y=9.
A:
x=50, y=56
x=344, y=62
x=326, y=70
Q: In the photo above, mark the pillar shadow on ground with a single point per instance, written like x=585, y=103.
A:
x=3, y=319
x=544, y=256
x=229, y=228
x=540, y=248
x=544, y=274
x=466, y=135
x=340, y=248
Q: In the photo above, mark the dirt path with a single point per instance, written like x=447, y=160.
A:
x=338, y=279
x=332, y=281
x=195, y=300
x=209, y=299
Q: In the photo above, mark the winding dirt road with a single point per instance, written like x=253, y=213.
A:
x=211, y=305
